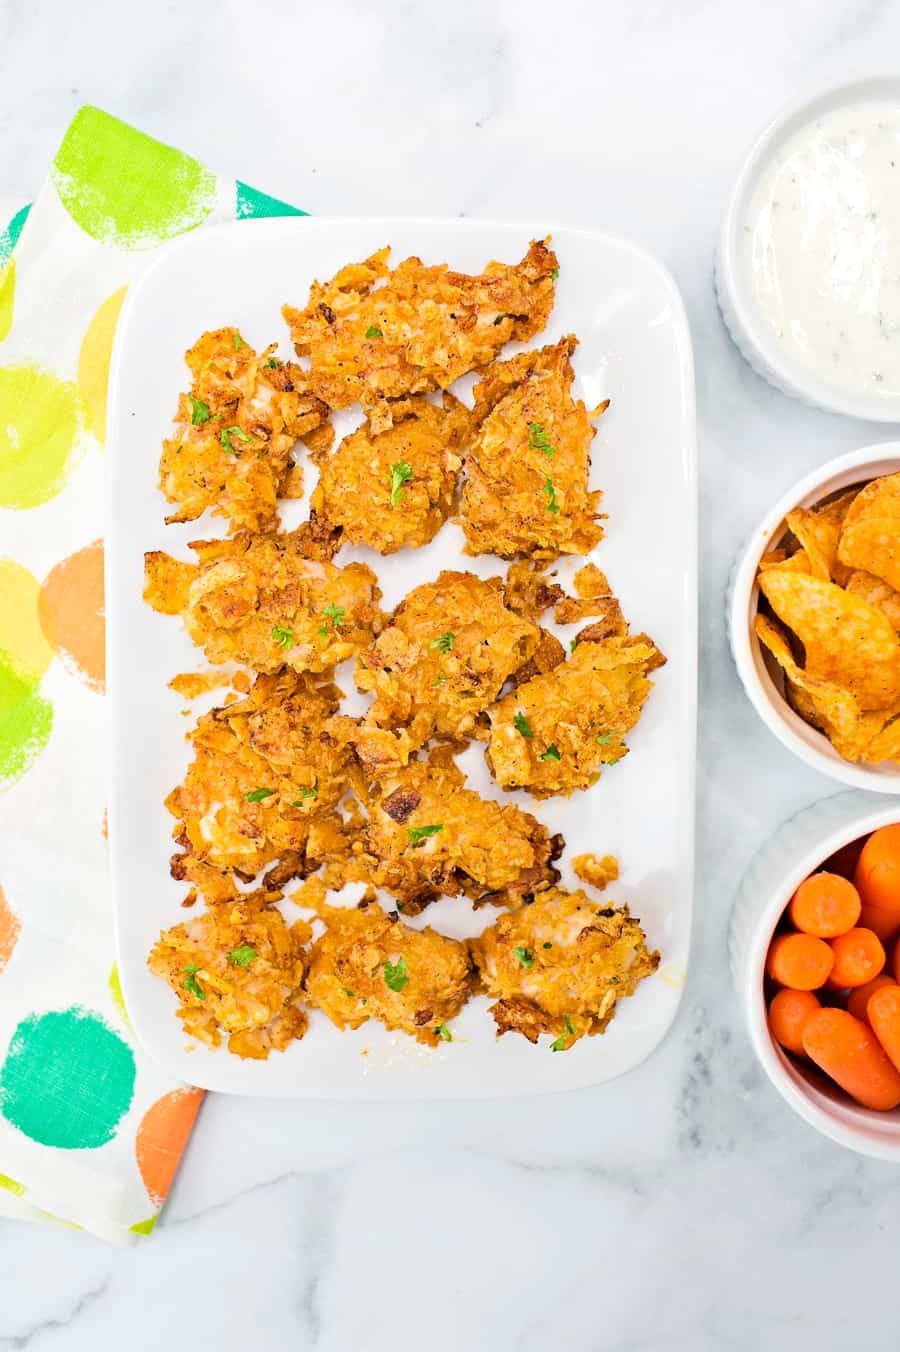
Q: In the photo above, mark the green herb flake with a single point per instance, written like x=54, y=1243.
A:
x=539, y=441
x=573, y=644
x=199, y=411
x=273, y=364
x=552, y=504
x=283, y=636
x=401, y=473
x=237, y=342
x=441, y=680
x=225, y=438
x=445, y=1033
x=243, y=956
x=374, y=332
x=571, y=1030
x=191, y=983
x=257, y=795
x=555, y=274
x=395, y=974
x=562, y=1042
x=606, y=738
x=418, y=834
x=522, y=725
x=351, y=995
x=548, y=944
x=306, y=793
x=336, y=615
x=525, y=956
x=551, y=754
x=444, y=642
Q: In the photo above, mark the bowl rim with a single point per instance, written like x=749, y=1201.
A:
x=807, y=743
x=861, y=1129
x=776, y=363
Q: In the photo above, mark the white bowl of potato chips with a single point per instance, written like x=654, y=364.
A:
x=814, y=617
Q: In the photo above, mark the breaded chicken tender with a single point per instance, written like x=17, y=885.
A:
x=526, y=469
x=235, y=431
x=396, y=488
x=559, y=966
x=427, y=836
x=237, y=972
x=369, y=965
x=554, y=733
x=259, y=600
x=439, y=663
x=266, y=774
x=373, y=334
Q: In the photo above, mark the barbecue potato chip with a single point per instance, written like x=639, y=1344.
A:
x=819, y=534
x=870, y=537
x=877, y=593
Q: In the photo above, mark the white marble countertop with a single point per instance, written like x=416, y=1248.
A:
x=683, y=1207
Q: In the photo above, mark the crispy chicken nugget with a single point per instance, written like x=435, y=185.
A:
x=369, y=965
x=265, y=773
x=237, y=972
x=374, y=335
x=235, y=431
x=427, y=835
x=526, y=469
x=438, y=664
x=396, y=488
x=260, y=600
x=555, y=733
x=559, y=966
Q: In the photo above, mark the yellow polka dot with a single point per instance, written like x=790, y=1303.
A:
x=21, y=634
x=93, y=361
x=7, y=297
x=40, y=427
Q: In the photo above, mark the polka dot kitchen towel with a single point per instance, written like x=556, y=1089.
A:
x=91, y=1131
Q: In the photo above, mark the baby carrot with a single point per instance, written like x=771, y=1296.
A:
x=884, y=1017
x=858, y=957
x=799, y=961
x=884, y=923
x=848, y=1051
x=858, y=999
x=877, y=876
x=788, y=1012
x=825, y=905
x=896, y=961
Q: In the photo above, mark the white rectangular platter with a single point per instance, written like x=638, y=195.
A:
x=635, y=349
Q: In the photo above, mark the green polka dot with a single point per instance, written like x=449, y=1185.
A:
x=9, y=237
x=7, y=296
x=40, y=422
x=122, y=187
x=253, y=203
x=10, y=1185
x=26, y=719
x=68, y=1080
x=144, y=1227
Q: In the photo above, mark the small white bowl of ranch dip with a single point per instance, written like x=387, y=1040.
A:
x=808, y=267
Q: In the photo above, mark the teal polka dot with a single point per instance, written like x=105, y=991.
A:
x=253, y=203
x=9, y=237
x=67, y=1080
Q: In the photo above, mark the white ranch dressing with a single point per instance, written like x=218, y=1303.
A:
x=821, y=247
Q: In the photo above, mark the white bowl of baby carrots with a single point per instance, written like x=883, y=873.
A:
x=815, y=953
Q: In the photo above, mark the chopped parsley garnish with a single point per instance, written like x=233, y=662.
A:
x=336, y=615
x=525, y=956
x=573, y=644
x=258, y=795
x=522, y=725
x=225, y=438
x=191, y=983
x=237, y=342
x=552, y=504
x=199, y=411
x=273, y=364
x=548, y=944
x=348, y=992
x=444, y=643
x=569, y=1027
x=445, y=1033
x=243, y=956
x=537, y=439
x=440, y=680
x=374, y=332
x=555, y=274
x=560, y=1044
x=418, y=834
x=605, y=738
x=283, y=636
x=401, y=473
x=395, y=974
x=306, y=793
x=552, y=753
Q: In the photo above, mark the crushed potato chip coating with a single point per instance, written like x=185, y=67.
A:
x=259, y=600
x=846, y=640
x=528, y=589
x=439, y=663
x=235, y=431
x=427, y=836
x=599, y=872
x=526, y=486
x=395, y=489
x=555, y=733
x=559, y=966
x=263, y=769
x=870, y=533
x=593, y=597
x=237, y=972
x=547, y=656
x=369, y=965
x=374, y=335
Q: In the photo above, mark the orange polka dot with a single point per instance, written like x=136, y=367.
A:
x=161, y=1138
x=10, y=926
x=72, y=614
